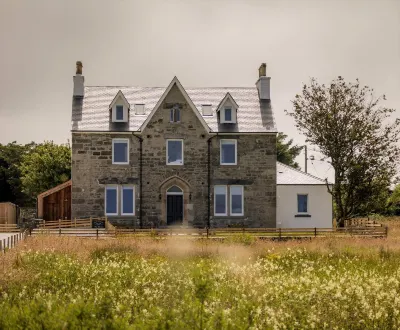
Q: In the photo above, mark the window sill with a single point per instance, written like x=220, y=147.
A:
x=228, y=164
x=302, y=215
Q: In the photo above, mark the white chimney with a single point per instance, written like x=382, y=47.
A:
x=263, y=83
x=79, y=81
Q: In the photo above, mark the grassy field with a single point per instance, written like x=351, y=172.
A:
x=178, y=283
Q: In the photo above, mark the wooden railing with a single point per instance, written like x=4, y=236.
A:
x=75, y=223
x=9, y=228
x=361, y=222
x=259, y=232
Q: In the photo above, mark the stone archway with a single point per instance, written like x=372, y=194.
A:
x=187, y=206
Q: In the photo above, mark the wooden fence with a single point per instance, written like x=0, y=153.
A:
x=13, y=239
x=221, y=233
x=361, y=222
x=75, y=223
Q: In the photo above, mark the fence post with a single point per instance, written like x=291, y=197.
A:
x=280, y=233
x=97, y=233
x=8, y=242
x=75, y=221
x=386, y=231
x=91, y=222
x=1, y=246
x=59, y=223
x=208, y=231
x=59, y=231
x=315, y=232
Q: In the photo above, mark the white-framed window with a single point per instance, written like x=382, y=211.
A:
x=302, y=203
x=111, y=200
x=236, y=200
x=119, y=112
x=220, y=200
x=120, y=151
x=127, y=200
x=175, y=115
x=228, y=152
x=175, y=152
x=228, y=114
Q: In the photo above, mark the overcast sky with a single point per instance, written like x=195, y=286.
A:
x=204, y=43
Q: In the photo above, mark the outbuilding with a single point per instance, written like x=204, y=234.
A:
x=303, y=200
x=9, y=213
x=55, y=203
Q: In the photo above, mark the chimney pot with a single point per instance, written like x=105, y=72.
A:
x=79, y=67
x=79, y=81
x=263, y=83
x=262, y=71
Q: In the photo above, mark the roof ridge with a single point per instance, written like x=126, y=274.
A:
x=189, y=87
x=302, y=172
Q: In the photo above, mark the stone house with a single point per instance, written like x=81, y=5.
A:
x=154, y=157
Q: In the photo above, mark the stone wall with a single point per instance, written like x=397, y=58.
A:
x=92, y=169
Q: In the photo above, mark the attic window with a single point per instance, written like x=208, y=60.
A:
x=139, y=109
x=228, y=115
x=206, y=109
x=119, y=115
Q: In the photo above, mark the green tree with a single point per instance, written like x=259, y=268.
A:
x=10, y=174
x=354, y=132
x=286, y=152
x=46, y=166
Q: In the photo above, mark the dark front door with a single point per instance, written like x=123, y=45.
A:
x=174, y=209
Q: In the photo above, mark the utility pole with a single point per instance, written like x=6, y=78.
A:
x=305, y=159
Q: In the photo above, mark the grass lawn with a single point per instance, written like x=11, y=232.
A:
x=150, y=283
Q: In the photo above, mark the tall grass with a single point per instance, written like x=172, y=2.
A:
x=69, y=283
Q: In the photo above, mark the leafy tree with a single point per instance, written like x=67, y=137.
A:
x=286, y=153
x=393, y=202
x=46, y=166
x=352, y=130
x=10, y=175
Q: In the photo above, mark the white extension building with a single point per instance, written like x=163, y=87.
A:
x=303, y=200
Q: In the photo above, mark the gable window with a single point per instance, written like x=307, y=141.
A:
x=228, y=153
x=302, y=203
x=175, y=115
x=111, y=203
x=120, y=151
x=174, y=152
x=119, y=112
x=128, y=200
x=220, y=200
x=236, y=200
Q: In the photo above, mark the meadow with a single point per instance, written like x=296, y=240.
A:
x=178, y=283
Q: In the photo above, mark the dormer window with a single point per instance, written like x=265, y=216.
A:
x=119, y=108
x=119, y=112
x=227, y=110
x=228, y=115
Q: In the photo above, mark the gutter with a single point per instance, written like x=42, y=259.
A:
x=140, y=179
x=209, y=180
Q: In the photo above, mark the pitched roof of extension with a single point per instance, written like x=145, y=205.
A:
x=289, y=175
x=253, y=115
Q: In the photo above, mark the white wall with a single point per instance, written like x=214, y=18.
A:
x=319, y=206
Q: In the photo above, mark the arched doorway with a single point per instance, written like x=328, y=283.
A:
x=174, y=206
x=175, y=198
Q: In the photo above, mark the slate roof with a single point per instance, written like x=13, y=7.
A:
x=92, y=113
x=288, y=175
